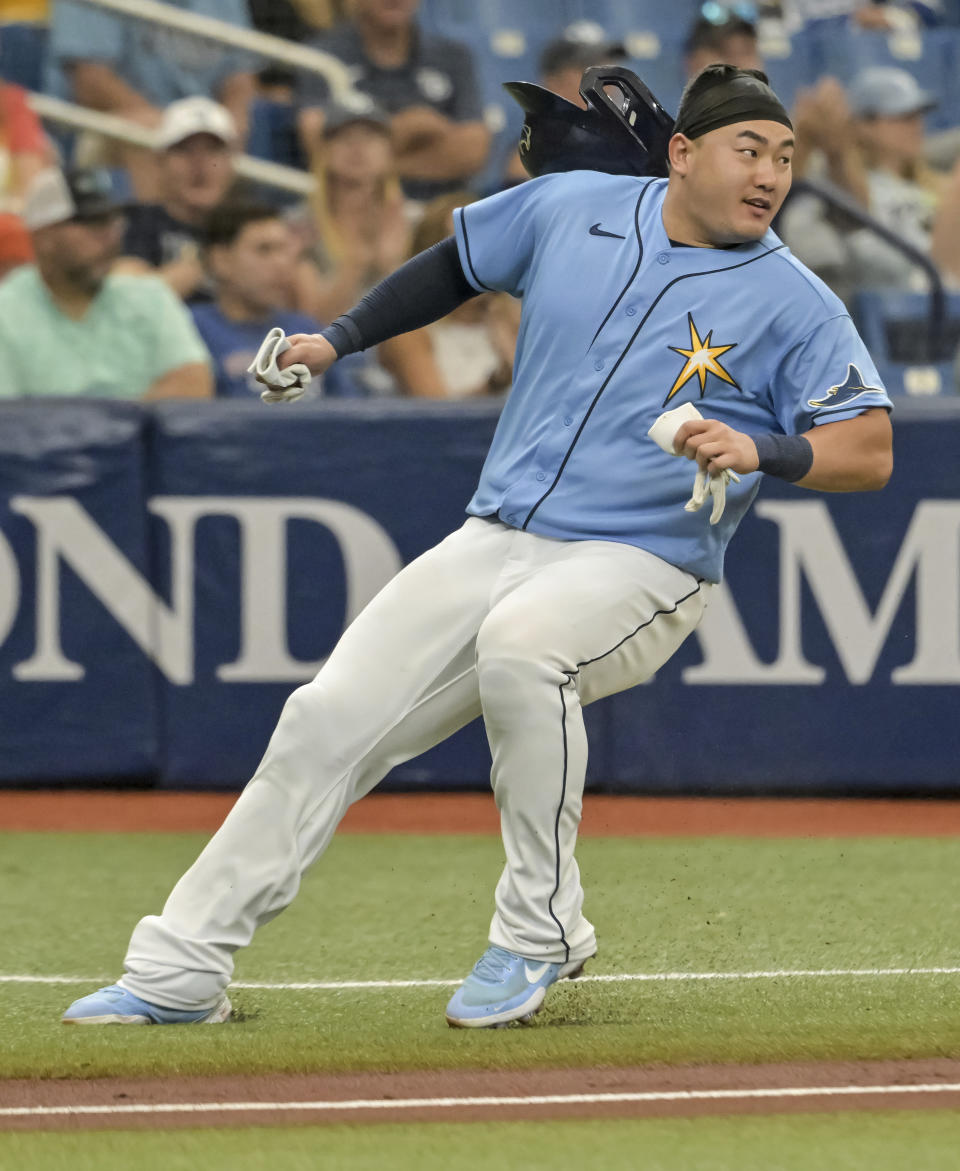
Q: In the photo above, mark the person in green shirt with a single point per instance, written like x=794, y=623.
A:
x=69, y=327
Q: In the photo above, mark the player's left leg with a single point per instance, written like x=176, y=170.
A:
x=414, y=637
x=586, y=620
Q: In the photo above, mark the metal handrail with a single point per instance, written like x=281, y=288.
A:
x=338, y=75
x=937, y=314
x=122, y=129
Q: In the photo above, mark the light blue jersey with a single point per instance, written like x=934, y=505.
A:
x=619, y=325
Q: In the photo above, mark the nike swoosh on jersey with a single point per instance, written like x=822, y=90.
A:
x=596, y=230
x=534, y=974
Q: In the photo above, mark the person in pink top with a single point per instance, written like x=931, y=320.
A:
x=24, y=147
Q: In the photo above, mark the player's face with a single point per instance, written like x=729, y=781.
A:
x=198, y=171
x=256, y=269
x=735, y=179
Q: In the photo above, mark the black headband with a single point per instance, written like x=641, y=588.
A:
x=738, y=99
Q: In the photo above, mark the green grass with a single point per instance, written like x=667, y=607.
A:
x=408, y=907
x=921, y=1140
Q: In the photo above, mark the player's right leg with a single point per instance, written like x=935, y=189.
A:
x=336, y=737
x=587, y=619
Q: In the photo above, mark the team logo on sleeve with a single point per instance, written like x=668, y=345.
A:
x=852, y=388
x=701, y=359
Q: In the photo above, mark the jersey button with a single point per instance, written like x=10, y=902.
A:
x=598, y=365
x=567, y=420
x=663, y=258
x=541, y=475
x=631, y=310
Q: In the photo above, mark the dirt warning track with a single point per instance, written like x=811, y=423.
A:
x=457, y=813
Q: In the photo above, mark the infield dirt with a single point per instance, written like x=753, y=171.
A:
x=444, y=813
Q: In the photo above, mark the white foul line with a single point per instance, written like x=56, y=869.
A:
x=454, y=1103
x=611, y=978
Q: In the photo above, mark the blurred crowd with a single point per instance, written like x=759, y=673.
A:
x=154, y=268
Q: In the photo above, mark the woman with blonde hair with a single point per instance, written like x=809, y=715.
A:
x=354, y=227
x=470, y=351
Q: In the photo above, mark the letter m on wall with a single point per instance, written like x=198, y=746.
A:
x=810, y=548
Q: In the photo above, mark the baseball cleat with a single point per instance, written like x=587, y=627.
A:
x=114, y=1005
x=505, y=987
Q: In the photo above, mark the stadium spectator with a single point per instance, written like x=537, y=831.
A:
x=16, y=247
x=294, y=20
x=886, y=16
x=353, y=229
x=722, y=35
x=195, y=165
x=871, y=144
x=469, y=352
x=135, y=69
x=580, y=45
x=69, y=327
x=251, y=252
x=425, y=83
x=24, y=147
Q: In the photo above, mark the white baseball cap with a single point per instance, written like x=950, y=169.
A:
x=198, y=115
x=888, y=92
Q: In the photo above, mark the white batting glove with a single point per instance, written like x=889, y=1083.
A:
x=715, y=486
x=663, y=433
x=283, y=386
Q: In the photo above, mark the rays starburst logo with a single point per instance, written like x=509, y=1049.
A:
x=701, y=359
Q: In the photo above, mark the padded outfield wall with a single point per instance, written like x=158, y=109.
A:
x=169, y=573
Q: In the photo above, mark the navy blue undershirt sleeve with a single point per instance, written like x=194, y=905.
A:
x=423, y=290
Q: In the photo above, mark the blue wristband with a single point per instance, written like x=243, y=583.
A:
x=788, y=457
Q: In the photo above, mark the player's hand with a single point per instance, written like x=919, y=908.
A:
x=285, y=385
x=314, y=351
x=716, y=447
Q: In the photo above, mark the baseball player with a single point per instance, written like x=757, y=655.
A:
x=663, y=305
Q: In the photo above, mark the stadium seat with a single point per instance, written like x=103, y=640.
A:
x=467, y=20
x=799, y=68
x=897, y=332
x=664, y=24
x=23, y=51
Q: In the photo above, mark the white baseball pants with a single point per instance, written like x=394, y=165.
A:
x=521, y=628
